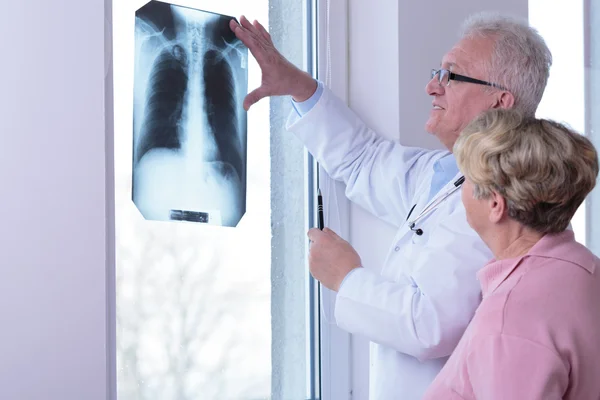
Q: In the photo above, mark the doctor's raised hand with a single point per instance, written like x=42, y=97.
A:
x=331, y=258
x=279, y=76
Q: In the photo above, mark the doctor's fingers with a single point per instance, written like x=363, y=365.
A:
x=255, y=27
x=331, y=233
x=317, y=235
x=322, y=235
x=252, y=39
x=262, y=31
x=251, y=27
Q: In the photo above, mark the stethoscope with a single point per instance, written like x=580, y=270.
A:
x=432, y=206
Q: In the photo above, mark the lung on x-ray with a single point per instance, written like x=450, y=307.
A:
x=189, y=125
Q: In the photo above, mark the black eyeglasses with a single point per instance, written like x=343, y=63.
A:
x=445, y=75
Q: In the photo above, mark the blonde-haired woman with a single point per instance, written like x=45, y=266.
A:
x=536, y=333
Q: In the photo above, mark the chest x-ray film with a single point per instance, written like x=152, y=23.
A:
x=190, y=128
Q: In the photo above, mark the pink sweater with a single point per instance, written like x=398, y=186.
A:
x=536, y=333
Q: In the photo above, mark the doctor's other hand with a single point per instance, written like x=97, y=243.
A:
x=279, y=76
x=331, y=258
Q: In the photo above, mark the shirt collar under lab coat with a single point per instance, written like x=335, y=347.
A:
x=444, y=170
x=560, y=246
x=447, y=166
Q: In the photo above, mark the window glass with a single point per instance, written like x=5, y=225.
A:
x=213, y=294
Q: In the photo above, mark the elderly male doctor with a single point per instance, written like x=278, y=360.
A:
x=414, y=309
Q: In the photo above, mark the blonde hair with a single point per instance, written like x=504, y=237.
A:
x=542, y=168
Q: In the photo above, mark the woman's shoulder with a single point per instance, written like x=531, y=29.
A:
x=551, y=294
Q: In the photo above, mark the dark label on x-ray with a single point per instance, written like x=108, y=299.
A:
x=191, y=216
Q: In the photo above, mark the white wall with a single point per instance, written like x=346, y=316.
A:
x=392, y=47
x=53, y=227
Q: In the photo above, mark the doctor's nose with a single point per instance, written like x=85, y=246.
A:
x=433, y=87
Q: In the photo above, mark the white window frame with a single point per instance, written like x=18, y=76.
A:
x=591, y=13
x=336, y=345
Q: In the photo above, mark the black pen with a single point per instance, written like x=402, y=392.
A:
x=321, y=224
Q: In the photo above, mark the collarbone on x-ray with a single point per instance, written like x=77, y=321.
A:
x=190, y=128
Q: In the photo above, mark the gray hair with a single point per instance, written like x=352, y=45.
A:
x=520, y=61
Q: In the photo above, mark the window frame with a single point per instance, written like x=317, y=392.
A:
x=591, y=13
x=335, y=344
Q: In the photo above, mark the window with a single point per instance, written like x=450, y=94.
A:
x=591, y=13
x=564, y=99
x=206, y=311
x=572, y=92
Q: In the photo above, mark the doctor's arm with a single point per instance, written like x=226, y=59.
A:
x=380, y=175
x=425, y=313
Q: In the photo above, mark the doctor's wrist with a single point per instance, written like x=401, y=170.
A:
x=305, y=86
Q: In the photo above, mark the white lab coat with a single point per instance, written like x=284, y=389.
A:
x=414, y=309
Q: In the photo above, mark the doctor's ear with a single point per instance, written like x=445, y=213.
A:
x=505, y=100
x=497, y=207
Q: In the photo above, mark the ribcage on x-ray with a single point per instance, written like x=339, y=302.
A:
x=164, y=105
x=219, y=95
x=169, y=83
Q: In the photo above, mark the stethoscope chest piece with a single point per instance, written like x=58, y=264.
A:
x=432, y=206
x=418, y=231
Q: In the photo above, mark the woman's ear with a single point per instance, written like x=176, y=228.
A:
x=497, y=207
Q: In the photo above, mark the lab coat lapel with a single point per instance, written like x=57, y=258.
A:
x=423, y=198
